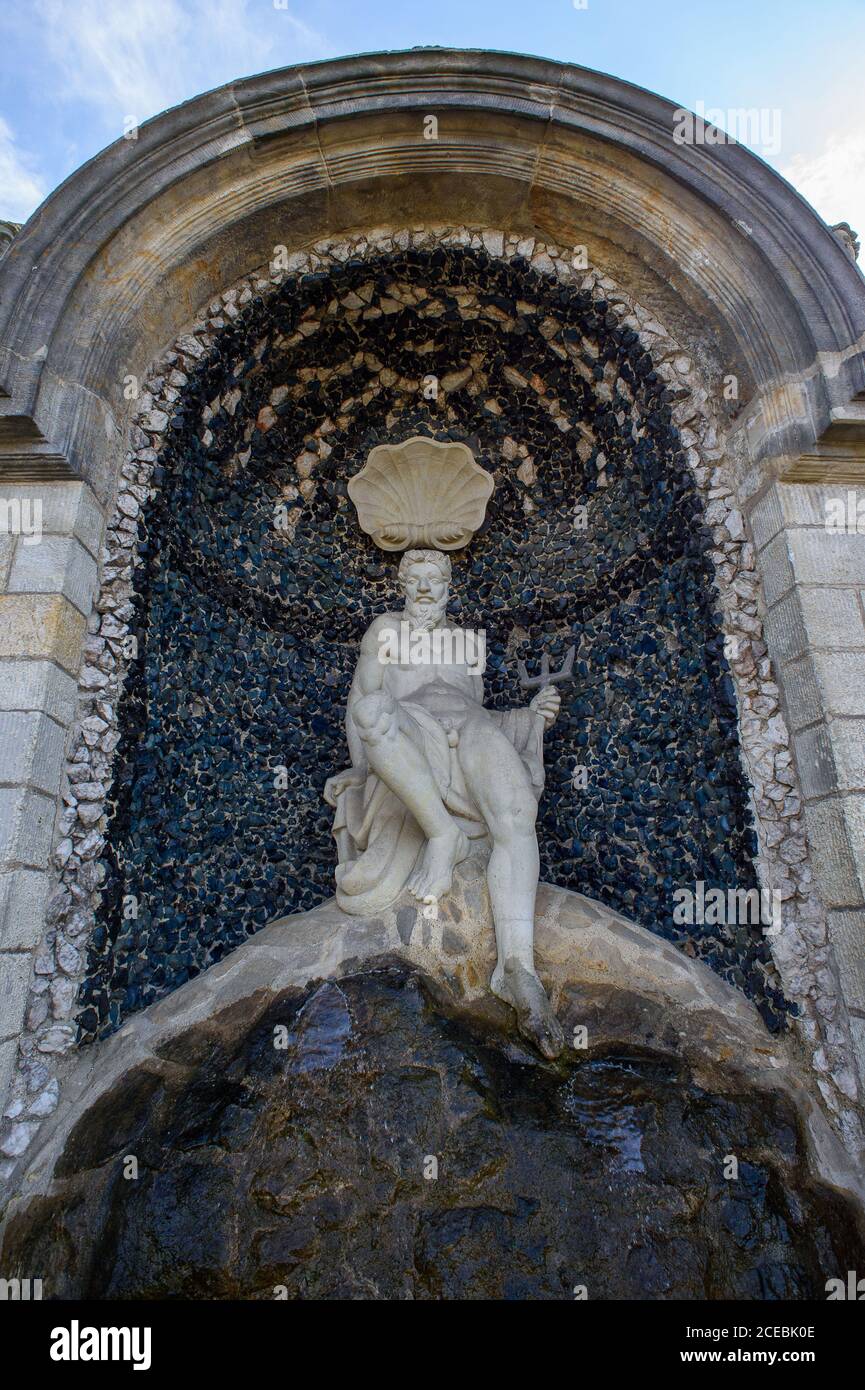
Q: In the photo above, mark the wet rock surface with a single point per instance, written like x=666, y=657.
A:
x=355, y=1142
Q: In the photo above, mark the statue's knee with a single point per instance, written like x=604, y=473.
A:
x=515, y=818
x=375, y=716
x=367, y=711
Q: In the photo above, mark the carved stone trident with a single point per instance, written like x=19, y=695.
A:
x=565, y=673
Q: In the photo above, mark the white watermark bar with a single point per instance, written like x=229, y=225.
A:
x=756, y=126
x=730, y=907
x=438, y=646
x=22, y=516
x=845, y=516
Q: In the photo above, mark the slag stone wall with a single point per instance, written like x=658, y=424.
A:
x=244, y=630
x=255, y=585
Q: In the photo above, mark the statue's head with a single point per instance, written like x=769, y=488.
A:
x=425, y=577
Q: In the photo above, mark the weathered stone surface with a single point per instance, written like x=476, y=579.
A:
x=68, y=509
x=7, y=550
x=57, y=565
x=702, y=438
x=389, y=1151
x=22, y=908
x=33, y=747
x=832, y=617
x=14, y=978
x=536, y=146
x=26, y=821
x=37, y=685
x=617, y=989
x=41, y=625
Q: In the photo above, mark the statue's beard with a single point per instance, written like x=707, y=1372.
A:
x=422, y=617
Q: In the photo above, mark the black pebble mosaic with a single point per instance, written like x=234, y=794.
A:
x=247, y=637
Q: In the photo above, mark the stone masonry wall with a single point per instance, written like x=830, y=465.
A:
x=800, y=947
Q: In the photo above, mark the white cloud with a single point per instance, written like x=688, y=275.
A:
x=140, y=57
x=833, y=180
x=21, y=190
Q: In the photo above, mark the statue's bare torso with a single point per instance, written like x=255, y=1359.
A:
x=444, y=688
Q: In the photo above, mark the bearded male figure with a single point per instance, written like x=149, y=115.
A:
x=433, y=769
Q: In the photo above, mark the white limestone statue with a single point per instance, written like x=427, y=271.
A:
x=433, y=770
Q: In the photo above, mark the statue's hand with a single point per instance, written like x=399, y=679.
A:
x=547, y=703
x=336, y=785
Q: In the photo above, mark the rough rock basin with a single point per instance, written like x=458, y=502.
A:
x=358, y=1122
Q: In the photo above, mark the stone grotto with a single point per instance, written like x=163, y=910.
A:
x=597, y=388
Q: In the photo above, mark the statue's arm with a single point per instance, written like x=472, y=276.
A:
x=369, y=672
x=359, y=688
x=368, y=677
x=356, y=752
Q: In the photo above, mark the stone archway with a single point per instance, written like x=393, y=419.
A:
x=707, y=239
x=566, y=408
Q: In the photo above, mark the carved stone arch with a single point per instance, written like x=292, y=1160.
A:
x=138, y=238
x=716, y=247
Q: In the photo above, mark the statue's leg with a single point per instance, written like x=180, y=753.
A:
x=500, y=785
x=402, y=766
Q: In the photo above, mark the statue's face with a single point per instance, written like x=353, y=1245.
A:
x=426, y=595
x=425, y=586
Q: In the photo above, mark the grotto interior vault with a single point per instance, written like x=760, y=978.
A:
x=254, y=585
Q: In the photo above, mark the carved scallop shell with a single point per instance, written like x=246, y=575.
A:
x=421, y=493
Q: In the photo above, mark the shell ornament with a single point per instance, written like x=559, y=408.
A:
x=421, y=493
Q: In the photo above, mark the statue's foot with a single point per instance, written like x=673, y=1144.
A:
x=434, y=875
x=354, y=878
x=521, y=988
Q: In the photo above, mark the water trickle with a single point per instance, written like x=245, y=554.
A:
x=313, y=1166
x=597, y=1097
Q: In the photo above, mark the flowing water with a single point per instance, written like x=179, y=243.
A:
x=356, y=1143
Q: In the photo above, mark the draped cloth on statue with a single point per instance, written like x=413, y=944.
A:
x=379, y=839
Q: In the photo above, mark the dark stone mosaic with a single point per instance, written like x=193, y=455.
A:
x=248, y=633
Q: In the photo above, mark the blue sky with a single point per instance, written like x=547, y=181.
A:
x=73, y=71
